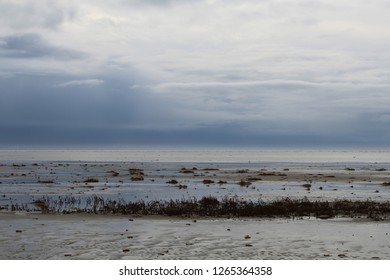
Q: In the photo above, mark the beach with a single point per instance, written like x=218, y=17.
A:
x=117, y=237
x=47, y=208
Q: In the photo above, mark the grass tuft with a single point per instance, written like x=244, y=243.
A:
x=213, y=207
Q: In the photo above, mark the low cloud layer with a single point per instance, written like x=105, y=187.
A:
x=33, y=46
x=87, y=82
x=195, y=73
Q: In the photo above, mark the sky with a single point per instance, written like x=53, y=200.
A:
x=178, y=73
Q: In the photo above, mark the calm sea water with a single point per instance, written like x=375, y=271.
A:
x=238, y=156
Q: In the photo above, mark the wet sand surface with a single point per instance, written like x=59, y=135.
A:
x=102, y=237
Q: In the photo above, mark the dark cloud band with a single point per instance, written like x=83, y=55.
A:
x=34, y=46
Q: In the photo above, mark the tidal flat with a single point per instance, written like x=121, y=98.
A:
x=202, y=210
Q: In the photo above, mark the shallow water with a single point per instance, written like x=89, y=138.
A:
x=26, y=182
x=241, y=156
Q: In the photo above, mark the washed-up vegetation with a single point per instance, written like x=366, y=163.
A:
x=91, y=180
x=209, y=206
x=136, y=174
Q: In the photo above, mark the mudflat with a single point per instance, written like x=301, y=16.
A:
x=49, y=211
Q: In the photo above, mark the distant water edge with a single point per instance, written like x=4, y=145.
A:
x=236, y=156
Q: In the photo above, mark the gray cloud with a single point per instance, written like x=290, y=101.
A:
x=159, y=3
x=195, y=72
x=28, y=14
x=112, y=104
x=33, y=46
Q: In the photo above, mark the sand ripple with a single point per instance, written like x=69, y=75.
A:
x=91, y=237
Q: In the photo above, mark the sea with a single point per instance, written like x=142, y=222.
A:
x=200, y=156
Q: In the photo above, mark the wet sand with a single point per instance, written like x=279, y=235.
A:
x=118, y=237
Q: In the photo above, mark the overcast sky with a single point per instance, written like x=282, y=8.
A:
x=266, y=73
